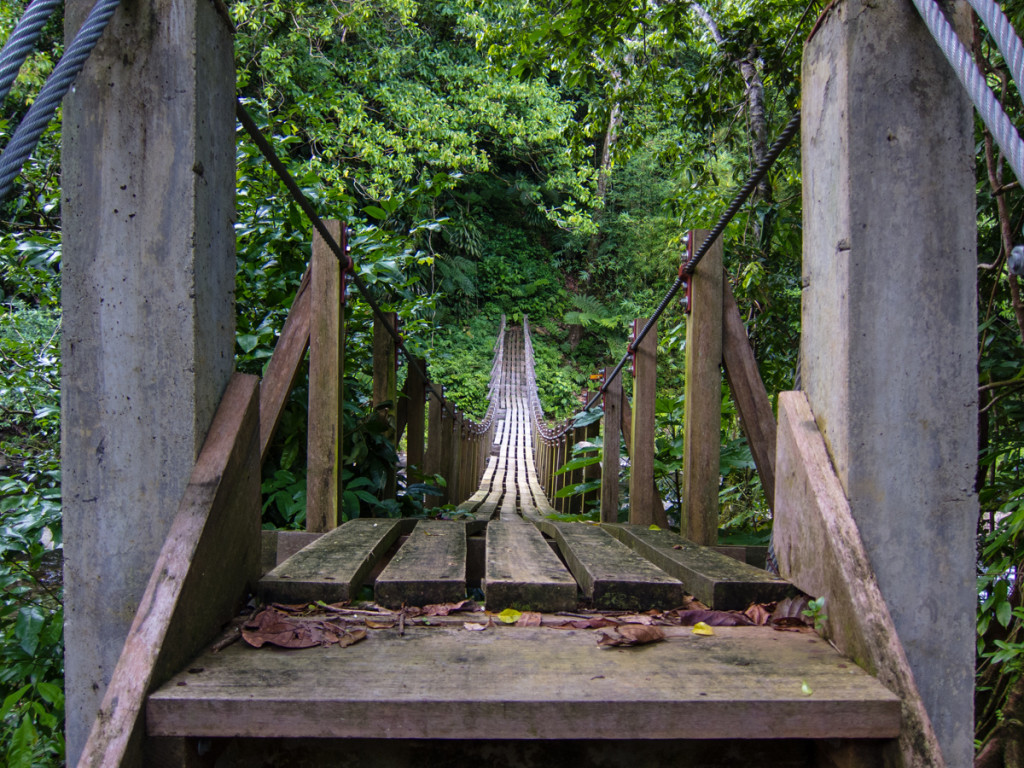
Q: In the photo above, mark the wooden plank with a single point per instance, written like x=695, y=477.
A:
x=820, y=550
x=531, y=683
x=429, y=568
x=284, y=365
x=717, y=580
x=432, y=459
x=385, y=388
x=324, y=441
x=609, y=572
x=522, y=572
x=610, y=451
x=641, y=455
x=702, y=430
x=626, y=426
x=748, y=391
x=414, y=431
x=210, y=558
x=333, y=567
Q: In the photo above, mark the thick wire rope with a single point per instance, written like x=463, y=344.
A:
x=23, y=41
x=970, y=77
x=39, y=115
x=690, y=265
x=1005, y=36
x=343, y=258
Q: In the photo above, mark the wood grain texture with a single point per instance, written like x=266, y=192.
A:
x=609, y=572
x=435, y=439
x=284, y=365
x=703, y=425
x=324, y=440
x=333, y=567
x=820, y=550
x=385, y=388
x=641, y=454
x=611, y=425
x=755, y=409
x=717, y=580
x=531, y=683
x=209, y=561
x=626, y=425
x=416, y=409
x=429, y=568
x=522, y=572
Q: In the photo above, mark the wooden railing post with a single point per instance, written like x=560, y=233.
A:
x=435, y=438
x=592, y=471
x=702, y=431
x=610, y=451
x=417, y=389
x=385, y=387
x=641, y=458
x=325, y=440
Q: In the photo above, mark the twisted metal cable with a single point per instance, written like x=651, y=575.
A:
x=691, y=264
x=970, y=77
x=22, y=42
x=1005, y=36
x=25, y=138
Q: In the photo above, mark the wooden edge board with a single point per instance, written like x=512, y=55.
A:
x=717, y=580
x=523, y=572
x=429, y=568
x=333, y=567
x=609, y=572
x=208, y=560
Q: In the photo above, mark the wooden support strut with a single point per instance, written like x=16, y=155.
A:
x=325, y=439
x=610, y=452
x=702, y=432
x=417, y=392
x=385, y=390
x=641, y=458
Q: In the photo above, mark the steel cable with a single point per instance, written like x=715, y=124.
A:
x=970, y=77
x=39, y=115
x=22, y=42
x=1005, y=36
x=691, y=264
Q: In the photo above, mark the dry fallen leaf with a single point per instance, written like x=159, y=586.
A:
x=443, y=609
x=474, y=627
x=631, y=634
x=384, y=624
x=277, y=628
x=710, y=618
x=528, y=619
x=758, y=614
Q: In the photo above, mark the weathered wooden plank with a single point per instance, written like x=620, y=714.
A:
x=284, y=365
x=429, y=568
x=435, y=438
x=702, y=430
x=717, y=580
x=209, y=560
x=522, y=572
x=610, y=451
x=641, y=454
x=531, y=683
x=385, y=387
x=820, y=550
x=609, y=572
x=325, y=440
x=333, y=567
x=748, y=391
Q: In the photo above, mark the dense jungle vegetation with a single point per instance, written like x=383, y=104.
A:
x=496, y=157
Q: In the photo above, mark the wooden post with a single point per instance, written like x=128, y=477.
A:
x=593, y=471
x=324, y=442
x=574, y=503
x=432, y=459
x=385, y=387
x=610, y=455
x=641, y=457
x=414, y=431
x=748, y=391
x=626, y=426
x=702, y=431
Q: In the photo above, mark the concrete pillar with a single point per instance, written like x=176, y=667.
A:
x=889, y=343
x=148, y=297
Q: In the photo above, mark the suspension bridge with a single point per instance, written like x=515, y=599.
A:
x=863, y=515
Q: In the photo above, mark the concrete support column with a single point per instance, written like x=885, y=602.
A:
x=889, y=344
x=148, y=297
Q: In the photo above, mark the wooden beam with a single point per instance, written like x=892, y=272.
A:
x=284, y=365
x=325, y=441
x=819, y=549
x=385, y=389
x=626, y=426
x=417, y=395
x=748, y=391
x=435, y=439
x=429, y=568
x=522, y=572
x=210, y=559
x=702, y=431
x=610, y=452
x=645, y=506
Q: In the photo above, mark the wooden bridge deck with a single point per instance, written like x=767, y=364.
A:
x=451, y=681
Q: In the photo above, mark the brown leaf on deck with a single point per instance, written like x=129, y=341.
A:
x=387, y=623
x=759, y=614
x=597, y=622
x=631, y=634
x=278, y=628
x=712, y=618
x=529, y=619
x=443, y=609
